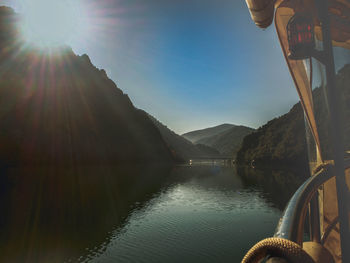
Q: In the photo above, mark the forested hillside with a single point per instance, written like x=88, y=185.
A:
x=282, y=140
x=58, y=108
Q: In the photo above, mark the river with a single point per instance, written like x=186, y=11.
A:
x=198, y=213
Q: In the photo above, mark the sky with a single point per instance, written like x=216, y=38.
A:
x=191, y=64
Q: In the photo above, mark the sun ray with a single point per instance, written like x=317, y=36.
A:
x=50, y=23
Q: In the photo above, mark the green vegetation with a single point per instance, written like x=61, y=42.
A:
x=279, y=142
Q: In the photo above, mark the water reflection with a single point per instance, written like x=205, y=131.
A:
x=278, y=186
x=137, y=214
x=51, y=215
x=206, y=214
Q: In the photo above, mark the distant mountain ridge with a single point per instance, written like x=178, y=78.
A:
x=226, y=138
x=182, y=148
x=195, y=136
x=228, y=142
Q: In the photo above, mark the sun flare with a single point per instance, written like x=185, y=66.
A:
x=49, y=23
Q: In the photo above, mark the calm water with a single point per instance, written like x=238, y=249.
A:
x=138, y=214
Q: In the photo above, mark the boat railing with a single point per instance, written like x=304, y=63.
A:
x=291, y=224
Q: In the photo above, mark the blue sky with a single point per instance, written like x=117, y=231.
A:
x=191, y=64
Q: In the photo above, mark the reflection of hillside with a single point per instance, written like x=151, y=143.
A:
x=208, y=177
x=278, y=185
x=53, y=215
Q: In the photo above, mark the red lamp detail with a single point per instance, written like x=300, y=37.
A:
x=301, y=38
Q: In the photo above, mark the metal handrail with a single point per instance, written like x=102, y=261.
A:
x=291, y=224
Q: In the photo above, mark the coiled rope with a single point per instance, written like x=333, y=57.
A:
x=277, y=247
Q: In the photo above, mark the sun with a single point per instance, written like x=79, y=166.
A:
x=51, y=23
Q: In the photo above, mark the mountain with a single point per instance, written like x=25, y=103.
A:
x=58, y=108
x=229, y=141
x=225, y=138
x=195, y=136
x=282, y=141
x=182, y=148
